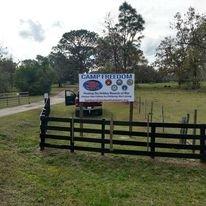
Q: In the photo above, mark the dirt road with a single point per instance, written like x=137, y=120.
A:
x=22, y=108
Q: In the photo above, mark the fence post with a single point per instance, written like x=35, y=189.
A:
x=111, y=132
x=72, y=135
x=28, y=99
x=163, y=119
x=140, y=102
x=81, y=115
x=153, y=129
x=194, y=130
x=48, y=106
x=18, y=99
x=43, y=124
x=145, y=109
x=202, y=145
x=148, y=133
x=131, y=104
x=103, y=137
x=151, y=111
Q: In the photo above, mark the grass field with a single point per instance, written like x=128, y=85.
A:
x=176, y=102
x=55, y=177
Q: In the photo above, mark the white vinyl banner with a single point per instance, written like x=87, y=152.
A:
x=106, y=87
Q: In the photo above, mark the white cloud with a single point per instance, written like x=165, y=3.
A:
x=32, y=30
x=57, y=24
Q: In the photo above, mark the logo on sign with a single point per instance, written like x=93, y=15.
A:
x=92, y=85
x=108, y=82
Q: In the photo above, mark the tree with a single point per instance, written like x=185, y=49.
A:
x=79, y=46
x=7, y=69
x=64, y=68
x=34, y=76
x=184, y=54
x=191, y=34
x=120, y=47
x=109, y=46
x=147, y=74
x=130, y=27
x=170, y=59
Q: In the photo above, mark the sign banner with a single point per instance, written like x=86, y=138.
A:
x=106, y=87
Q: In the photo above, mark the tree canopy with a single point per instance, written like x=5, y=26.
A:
x=183, y=55
x=7, y=69
x=79, y=46
x=120, y=47
x=34, y=76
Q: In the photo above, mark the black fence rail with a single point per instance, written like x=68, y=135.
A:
x=43, y=118
x=105, y=136
x=7, y=99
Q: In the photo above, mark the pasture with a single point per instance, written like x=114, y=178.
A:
x=57, y=177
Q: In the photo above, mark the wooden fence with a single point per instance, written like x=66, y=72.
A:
x=105, y=136
x=7, y=100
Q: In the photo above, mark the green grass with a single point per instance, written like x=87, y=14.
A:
x=176, y=103
x=56, y=177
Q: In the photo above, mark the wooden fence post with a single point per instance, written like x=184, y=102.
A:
x=151, y=112
x=111, y=132
x=145, y=109
x=148, y=133
x=163, y=119
x=72, y=135
x=140, y=104
x=43, y=131
x=153, y=129
x=18, y=99
x=194, y=130
x=48, y=106
x=28, y=99
x=81, y=114
x=202, y=144
x=103, y=137
x=130, y=116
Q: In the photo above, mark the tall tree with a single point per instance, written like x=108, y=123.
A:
x=79, y=46
x=130, y=27
x=170, y=59
x=184, y=54
x=7, y=69
x=64, y=68
x=120, y=47
x=34, y=76
x=191, y=34
x=109, y=49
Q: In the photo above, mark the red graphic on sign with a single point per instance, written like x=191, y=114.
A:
x=92, y=85
x=108, y=82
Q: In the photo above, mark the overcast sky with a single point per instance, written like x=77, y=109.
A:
x=31, y=27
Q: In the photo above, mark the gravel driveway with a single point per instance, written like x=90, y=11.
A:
x=22, y=108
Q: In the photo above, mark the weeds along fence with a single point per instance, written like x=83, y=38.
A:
x=7, y=100
x=108, y=136
x=151, y=109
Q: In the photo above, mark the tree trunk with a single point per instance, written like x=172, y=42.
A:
x=60, y=84
x=195, y=81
